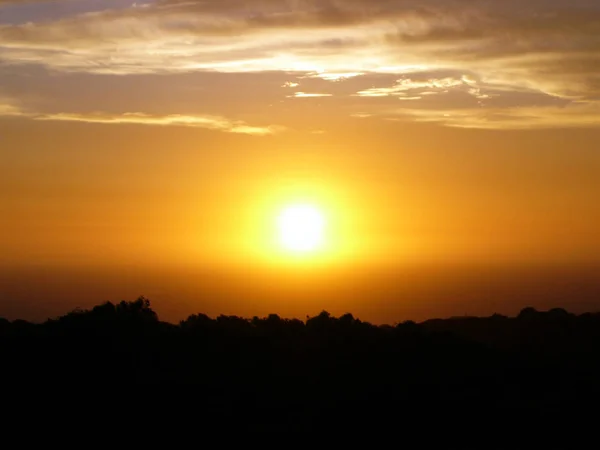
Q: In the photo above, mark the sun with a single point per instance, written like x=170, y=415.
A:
x=301, y=228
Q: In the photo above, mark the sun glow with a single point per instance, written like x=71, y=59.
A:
x=301, y=228
x=296, y=225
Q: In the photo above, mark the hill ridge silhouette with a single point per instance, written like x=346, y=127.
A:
x=259, y=371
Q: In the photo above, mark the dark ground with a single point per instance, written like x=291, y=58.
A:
x=327, y=374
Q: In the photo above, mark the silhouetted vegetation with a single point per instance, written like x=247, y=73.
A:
x=297, y=375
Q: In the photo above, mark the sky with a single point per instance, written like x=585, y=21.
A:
x=452, y=146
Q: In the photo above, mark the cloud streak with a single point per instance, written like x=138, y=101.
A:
x=308, y=95
x=8, y=107
x=208, y=122
x=574, y=116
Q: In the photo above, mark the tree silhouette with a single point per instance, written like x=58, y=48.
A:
x=271, y=371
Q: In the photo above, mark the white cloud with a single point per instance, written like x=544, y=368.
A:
x=308, y=95
x=332, y=76
x=406, y=84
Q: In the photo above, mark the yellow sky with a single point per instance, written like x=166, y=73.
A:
x=168, y=135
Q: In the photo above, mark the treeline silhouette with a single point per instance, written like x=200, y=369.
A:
x=295, y=374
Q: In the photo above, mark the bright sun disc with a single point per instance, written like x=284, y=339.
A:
x=301, y=228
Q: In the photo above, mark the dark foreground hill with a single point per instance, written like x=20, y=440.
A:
x=337, y=373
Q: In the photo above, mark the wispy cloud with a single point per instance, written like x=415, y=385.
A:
x=333, y=76
x=354, y=37
x=402, y=86
x=585, y=114
x=499, y=53
x=208, y=122
x=308, y=95
x=9, y=108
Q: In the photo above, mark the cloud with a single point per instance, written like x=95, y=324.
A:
x=585, y=114
x=12, y=108
x=9, y=107
x=500, y=54
x=6, y=109
x=513, y=40
x=332, y=76
x=308, y=95
x=209, y=122
x=404, y=85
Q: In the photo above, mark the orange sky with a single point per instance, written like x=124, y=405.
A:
x=141, y=147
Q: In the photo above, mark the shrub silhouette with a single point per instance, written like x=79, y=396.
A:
x=299, y=373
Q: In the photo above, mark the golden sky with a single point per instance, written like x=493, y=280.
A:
x=164, y=137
